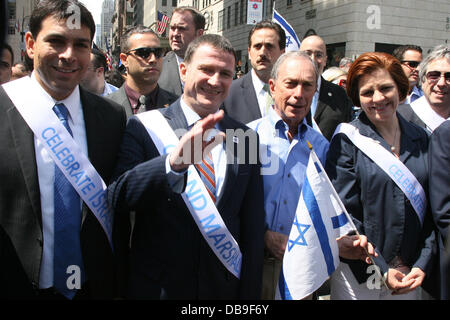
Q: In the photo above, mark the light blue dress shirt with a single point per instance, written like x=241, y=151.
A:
x=282, y=187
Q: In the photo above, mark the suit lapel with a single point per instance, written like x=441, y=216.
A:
x=324, y=93
x=24, y=142
x=251, y=100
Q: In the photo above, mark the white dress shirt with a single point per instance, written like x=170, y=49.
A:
x=46, y=172
x=218, y=152
x=260, y=92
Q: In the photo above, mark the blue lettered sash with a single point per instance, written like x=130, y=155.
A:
x=197, y=199
x=393, y=167
x=62, y=148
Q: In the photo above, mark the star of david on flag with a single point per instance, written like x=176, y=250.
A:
x=292, y=42
x=312, y=254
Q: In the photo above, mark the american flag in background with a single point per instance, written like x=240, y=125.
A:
x=163, y=20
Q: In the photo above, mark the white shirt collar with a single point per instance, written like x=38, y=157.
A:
x=72, y=102
x=257, y=83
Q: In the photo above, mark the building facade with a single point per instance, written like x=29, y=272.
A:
x=18, y=24
x=348, y=27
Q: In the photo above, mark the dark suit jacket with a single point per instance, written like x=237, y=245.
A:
x=333, y=108
x=168, y=251
x=20, y=205
x=241, y=103
x=440, y=197
x=164, y=99
x=379, y=208
x=169, y=79
x=408, y=113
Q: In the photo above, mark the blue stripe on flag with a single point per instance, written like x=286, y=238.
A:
x=286, y=26
x=316, y=217
x=317, y=167
x=339, y=221
x=282, y=286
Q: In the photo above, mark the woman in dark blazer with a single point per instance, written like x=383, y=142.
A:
x=379, y=208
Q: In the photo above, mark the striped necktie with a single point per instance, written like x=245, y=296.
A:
x=67, y=226
x=269, y=99
x=208, y=176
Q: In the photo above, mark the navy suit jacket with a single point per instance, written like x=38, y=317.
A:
x=439, y=157
x=20, y=204
x=379, y=208
x=241, y=103
x=169, y=257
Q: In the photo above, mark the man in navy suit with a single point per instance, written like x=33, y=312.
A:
x=186, y=24
x=61, y=56
x=169, y=258
x=249, y=98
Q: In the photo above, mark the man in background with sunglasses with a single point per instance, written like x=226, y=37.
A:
x=186, y=24
x=142, y=57
x=433, y=108
x=410, y=57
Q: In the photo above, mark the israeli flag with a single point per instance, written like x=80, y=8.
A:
x=312, y=253
x=292, y=42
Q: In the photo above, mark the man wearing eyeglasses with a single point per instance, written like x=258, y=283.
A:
x=330, y=105
x=142, y=57
x=433, y=108
x=186, y=24
x=410, y=57
x=6, y=62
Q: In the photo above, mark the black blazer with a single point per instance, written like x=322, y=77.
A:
x=163, y=99
x=169, y=79
x=440, y=198
x=379, y=208
x=169, y=257
x=241, y=103
x=20, y=206
x=333, y=108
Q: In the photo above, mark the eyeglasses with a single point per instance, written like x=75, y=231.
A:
x=146, y=51
x=434, y=76
x=411, y=64
x=317, y=54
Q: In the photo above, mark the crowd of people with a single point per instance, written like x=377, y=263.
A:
x=180, y=179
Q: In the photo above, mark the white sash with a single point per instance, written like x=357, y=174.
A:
x=425, y=113
x=62, y=148
x=393, y=167
x=197, y=199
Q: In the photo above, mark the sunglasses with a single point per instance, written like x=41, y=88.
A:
x=412, y=64
x=146, y=51
x=434, y=76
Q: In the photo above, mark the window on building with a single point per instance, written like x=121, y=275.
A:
x=12, y=9
x=236, y=13
x=335, y=52
x=174, y=3
x=229, y=17
x=243, y=11
x=288, y=3
x=164, y=3
x=220, y=20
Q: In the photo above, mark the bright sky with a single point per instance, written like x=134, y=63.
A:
x=95, y=7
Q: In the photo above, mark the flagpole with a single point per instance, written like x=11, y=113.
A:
x=349, y=218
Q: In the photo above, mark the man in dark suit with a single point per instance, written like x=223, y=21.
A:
x=169, y=257
x=28, y=203
x=142, y=57
x=186, y=24
x=331, y=105
x=439, y=160
x=249, y=98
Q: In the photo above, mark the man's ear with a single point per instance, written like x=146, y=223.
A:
x=100, y=71
x=183, y=70
x=29, y=41
x=200, y=32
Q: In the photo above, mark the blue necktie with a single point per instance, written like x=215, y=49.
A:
x=67, y=226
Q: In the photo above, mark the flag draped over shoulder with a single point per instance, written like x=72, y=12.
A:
x=163, y=20
x=312, y=253
x=292, y=42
